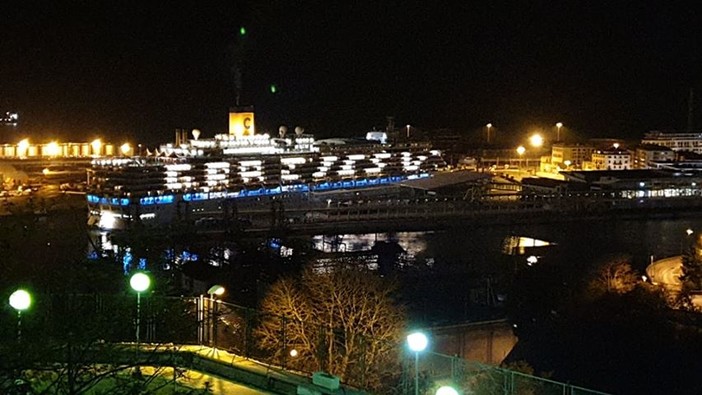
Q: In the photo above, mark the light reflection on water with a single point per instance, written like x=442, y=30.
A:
x=480, y=247
x=411, y=242
x=579, y=242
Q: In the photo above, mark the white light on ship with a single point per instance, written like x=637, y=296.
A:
x=382, y=155
x=179, y=167
x=292, y=161
x=107, y=220
x=217, y=165
x=357, y=157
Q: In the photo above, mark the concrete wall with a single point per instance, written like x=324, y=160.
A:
x=488, y=342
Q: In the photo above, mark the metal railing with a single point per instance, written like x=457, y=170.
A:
x=469, y=377
x=57, y=320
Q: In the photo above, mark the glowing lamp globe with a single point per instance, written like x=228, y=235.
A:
x=446, y=390
x=140, y=282
x=417, y=341
x=216, y=290
x=20, y=300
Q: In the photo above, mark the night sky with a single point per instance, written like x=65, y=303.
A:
x=121, y=69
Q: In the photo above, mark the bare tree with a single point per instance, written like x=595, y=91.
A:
x=614, y=275
x=343, y=321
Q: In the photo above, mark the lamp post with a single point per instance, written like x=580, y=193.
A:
x=20, y=300
x=689, y=233
x=139, y=282
x=217, y=290
x=417, y=342
x=488, y=126
x=520, y=151
x=559, y=125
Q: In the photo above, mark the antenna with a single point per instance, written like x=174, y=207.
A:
x=237, y=53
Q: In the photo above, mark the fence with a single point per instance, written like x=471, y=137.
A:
x=467, y=377
x=291, y=344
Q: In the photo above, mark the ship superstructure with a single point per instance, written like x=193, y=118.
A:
x=198, y=177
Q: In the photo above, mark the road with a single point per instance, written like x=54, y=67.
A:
x=666, y=273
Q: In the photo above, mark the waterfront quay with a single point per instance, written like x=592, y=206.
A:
x=431, y=213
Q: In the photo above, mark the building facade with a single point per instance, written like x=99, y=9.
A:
x=612, y=159
x=646, y=155
x=675, y=141
x=566, y=155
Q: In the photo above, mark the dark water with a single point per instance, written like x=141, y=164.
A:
x=459, y=275
x=465, y=254
x=576, y=242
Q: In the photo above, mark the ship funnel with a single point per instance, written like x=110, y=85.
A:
x=282, y=130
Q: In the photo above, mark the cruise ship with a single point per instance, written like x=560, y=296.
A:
x=196, y=177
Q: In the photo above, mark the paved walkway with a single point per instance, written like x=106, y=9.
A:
x=224, y=370
x=199, y=380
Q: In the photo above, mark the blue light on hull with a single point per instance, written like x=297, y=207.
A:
x=296, y=188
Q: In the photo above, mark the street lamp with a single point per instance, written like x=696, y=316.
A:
x=219, y=291
x=139, y=282
x=97, y=147
x=689, y=233
x=22, y=147
x=488, y=126
x=520, y=151
x=417, y=342
x=536, y=140
x=20, y=300
x=559, y=125
x=446, y=390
